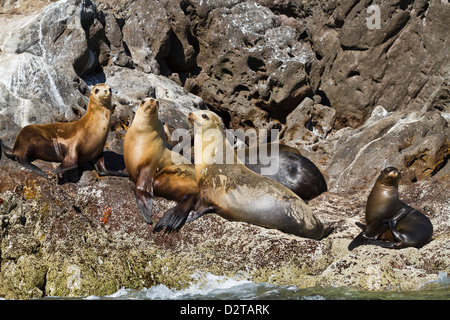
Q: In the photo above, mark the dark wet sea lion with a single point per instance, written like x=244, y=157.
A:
x=71, y=143
x=296, y=172
x=236, y=193
x=156, y=170
x=390, y=222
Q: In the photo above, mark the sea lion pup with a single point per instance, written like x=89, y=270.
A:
x=236, y=193
x=156, y=170
x=390, y=222
x=71, y=143
x=296, y=172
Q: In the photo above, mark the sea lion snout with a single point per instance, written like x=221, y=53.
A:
x=205, y=118
x=391, y=171
x=191, y=117
x=390, y=176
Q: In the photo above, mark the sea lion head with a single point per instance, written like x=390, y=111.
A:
x=146, y=117
x=209, y=141
x=389, y=177
x=101, y=96
x=206, y=120
x=148, y=109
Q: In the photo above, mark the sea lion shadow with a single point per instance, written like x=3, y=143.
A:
x=113, y=161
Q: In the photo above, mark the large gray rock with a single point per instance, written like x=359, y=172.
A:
x=253, y=66
x=402, y=65
x=42, y=55
x=416, y=142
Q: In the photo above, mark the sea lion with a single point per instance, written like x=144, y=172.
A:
x=236, y=193
x=156, y=170
x=71, y=143
x=391, y=223
x=296, y=172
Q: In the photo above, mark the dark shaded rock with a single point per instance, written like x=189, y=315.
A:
x=395, y=66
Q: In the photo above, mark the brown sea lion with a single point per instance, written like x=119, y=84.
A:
x=390, y=222
x=236, y=193
x=71, y=143
x=156, y=170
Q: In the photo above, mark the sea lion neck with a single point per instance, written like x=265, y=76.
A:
x=388, y=182
x=211, y=147
x=147, y=123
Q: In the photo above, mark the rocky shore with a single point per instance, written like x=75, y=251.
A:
x=352, y=99
x=53, y=242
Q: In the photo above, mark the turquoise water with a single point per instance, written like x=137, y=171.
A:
x=221, y=288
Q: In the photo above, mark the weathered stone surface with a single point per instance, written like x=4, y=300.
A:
x=308, y=123
x=395, y=66
x=59, y=247
x=253, y=68
x=416, y=142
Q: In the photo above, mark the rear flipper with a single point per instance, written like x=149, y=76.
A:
x=176, y=217
x=362, y=240
x=37, y=170
x=198, y=213
x=359, y=240
x=327, y=231
x=145, y=202
x=9, y=153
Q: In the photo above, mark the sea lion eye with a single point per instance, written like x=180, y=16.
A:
x=204, y=116
x=97, y=90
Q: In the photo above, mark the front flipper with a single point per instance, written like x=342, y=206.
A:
x=375, y=229
x=144, y=194
x=361, y=240
x=176, y=217
x=371, y=233
x=385, y=244
x=69, y=163
x=144, y=200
